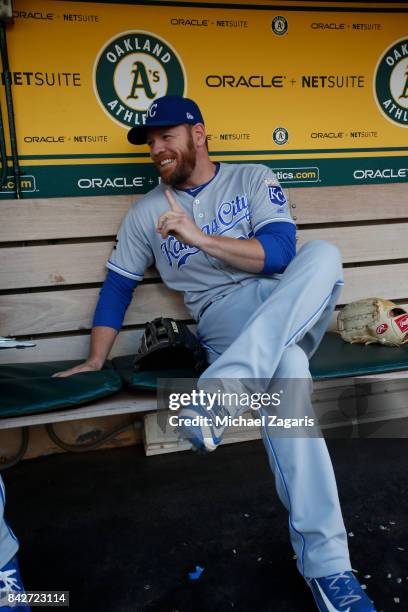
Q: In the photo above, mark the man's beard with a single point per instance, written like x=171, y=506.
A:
x=185, y=162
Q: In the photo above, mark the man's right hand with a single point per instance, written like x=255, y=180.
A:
x=87, y=366
x=102, y=339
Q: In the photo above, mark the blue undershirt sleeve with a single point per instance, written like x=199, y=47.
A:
x=278, y=240
x=114, y=298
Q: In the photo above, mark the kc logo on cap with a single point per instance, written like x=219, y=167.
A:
x=166, y=111
x=151, y=111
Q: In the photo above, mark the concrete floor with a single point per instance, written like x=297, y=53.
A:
x=121, y=531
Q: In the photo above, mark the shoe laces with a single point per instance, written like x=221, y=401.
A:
x=336, y=583
x=10, y=584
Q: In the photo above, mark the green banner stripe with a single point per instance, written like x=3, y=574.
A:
x=230, y=153
x=127, y=178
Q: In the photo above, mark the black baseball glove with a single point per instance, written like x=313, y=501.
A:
x=169, y=344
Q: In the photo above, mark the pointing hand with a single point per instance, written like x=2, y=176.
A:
x=176, y=222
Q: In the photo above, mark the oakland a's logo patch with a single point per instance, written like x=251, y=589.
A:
x=131, y=71
x=391, y=83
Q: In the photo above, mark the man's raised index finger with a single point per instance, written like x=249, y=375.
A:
x=174, y=205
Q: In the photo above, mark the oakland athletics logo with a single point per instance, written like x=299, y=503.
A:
x=133, y=69
x=391, y=83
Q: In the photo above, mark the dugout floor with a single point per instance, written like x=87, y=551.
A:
x=121, y=531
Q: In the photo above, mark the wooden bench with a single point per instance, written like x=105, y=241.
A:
x=52, y=264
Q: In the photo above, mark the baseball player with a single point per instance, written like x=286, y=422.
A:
x=10, y=579
x=222, y=234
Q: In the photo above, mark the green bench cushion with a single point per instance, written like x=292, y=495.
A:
x=335, y=358
x=29, y=388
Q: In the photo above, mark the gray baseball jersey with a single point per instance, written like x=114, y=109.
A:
x=236, y=203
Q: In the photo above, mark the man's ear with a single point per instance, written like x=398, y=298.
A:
x=199, y=135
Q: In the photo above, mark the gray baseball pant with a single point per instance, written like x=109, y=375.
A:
x=8, y=541
x=268, y=329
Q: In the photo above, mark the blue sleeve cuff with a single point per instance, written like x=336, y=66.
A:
x=278, y=240
x=114, y=298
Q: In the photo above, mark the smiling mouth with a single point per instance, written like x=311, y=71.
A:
x=166, y=162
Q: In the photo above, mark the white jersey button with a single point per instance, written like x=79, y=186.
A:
x=201, y=215
x=196, y=201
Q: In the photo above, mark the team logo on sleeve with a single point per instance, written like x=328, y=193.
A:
x=131, y=71
x=275, y=192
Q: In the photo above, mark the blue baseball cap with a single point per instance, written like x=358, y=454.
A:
x=165, y=112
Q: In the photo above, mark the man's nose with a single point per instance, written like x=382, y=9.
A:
x=156, y=147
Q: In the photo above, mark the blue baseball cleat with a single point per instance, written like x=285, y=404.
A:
x=11, y=585
x=201, y=427
x=340, y=593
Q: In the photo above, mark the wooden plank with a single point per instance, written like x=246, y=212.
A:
x=73, y=264
x=121, y=403
x=69, y=347
x=72, y=310
x=388, y=282
x=101, y=215
x=56, y=265
x=52, y=218
x=363, y=243
x=349, y=203
x=53, y=265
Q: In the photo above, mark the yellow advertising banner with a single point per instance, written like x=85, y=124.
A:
x=320, y=94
